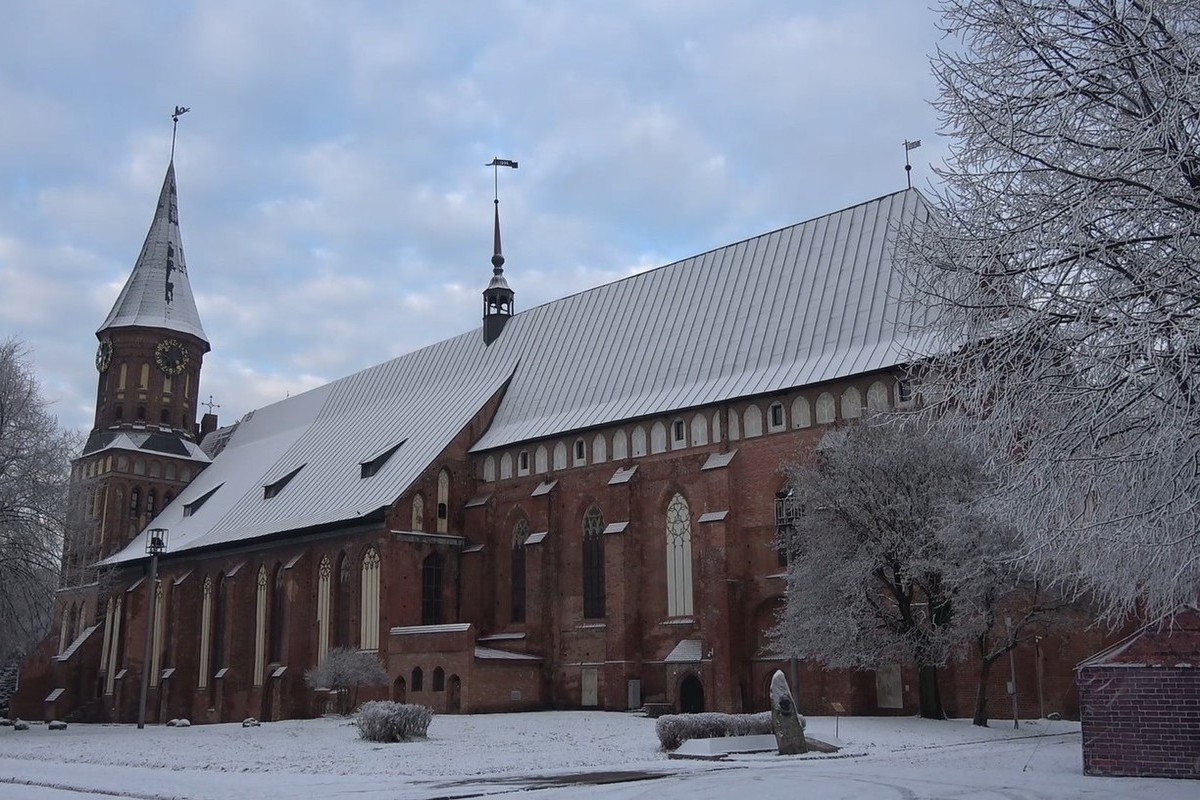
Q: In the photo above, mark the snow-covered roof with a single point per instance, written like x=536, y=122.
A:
x=144, y=442
x=491, y=653
x=1171, y=642
x=158, y=293
x=808, y=303
x=688, y=651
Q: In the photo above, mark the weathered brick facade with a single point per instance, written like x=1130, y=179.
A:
x=1140, y=702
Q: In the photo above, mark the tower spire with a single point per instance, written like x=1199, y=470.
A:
x=497, y=297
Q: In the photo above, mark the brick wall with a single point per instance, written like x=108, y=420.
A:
x=1141, y=721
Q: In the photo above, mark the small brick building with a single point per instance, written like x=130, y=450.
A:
x=1140, y=702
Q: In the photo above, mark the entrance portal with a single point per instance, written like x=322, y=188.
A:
x=691, y=695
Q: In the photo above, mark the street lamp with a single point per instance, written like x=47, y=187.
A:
x=156, y=545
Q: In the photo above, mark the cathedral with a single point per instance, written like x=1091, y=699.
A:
x=574, y=506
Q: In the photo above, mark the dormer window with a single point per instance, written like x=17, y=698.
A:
x=371, y=466
x=194, y=506
x=272, y=489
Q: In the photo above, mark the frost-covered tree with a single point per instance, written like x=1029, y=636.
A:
x=1066, y=270
x=34, y=468
x=891, y=562
x=345, y=670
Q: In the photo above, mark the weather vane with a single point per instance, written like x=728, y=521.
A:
x=495, y=164
x=179, y=112
x=913, y=145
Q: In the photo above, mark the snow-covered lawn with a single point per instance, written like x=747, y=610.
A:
x=586, y=754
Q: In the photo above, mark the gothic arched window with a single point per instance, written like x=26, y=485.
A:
x=443, y=501
x=418, y=512
x=679, y=558
x=341, y=603
x=278, y=604
x=593, y=564
x=369, y=627
x=520, y=534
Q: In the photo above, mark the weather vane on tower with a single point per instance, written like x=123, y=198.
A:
x=179, y=112
x=913, y=145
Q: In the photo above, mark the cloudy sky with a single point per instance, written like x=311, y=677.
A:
x=333, y=198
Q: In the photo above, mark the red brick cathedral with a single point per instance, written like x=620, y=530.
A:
x=570, y=507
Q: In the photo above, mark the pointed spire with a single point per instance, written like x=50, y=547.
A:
x=497, y=297
x=158, y=293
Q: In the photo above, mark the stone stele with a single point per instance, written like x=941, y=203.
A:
x=785, y=718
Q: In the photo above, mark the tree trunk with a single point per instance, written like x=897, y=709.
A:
x=930, y=696
x=981, y=715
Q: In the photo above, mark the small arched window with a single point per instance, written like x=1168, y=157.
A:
x=775, y=417
x=699, y=430
x=752, y=416
x=877, y=398
x=506, y=466
x=851, y=403
x=489, y=468
x=560, y=456
x=599, y=449
x=620, y=446
x=638, y=442
x=541, y=460
x=439, y=680
x=418, y=680
x=801, y=413
x=826, y=410
x=658, y=437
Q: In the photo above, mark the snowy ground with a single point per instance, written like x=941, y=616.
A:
x=553, y=754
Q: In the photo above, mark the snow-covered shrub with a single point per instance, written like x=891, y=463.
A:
x=386, y=721
x=675, y=729
x=183, y=723
x=20, y=725
x=250, y=722
x=57, y=725
x=344, y=670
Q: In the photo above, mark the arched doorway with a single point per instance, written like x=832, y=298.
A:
x=691, y=695
x=399, y=689
x=454, y=694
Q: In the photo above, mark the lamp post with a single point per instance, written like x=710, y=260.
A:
x=156, y=544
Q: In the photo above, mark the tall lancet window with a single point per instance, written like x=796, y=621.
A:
x=341, y=603
x=206, y=619
x=324, y=603
x=593, y=564
x=275, y=627
x=443, y=501
x=520, y=534
x=418, y=512
x=431, y=591
x=260, y=626
x=369, y=625
x=679, y=558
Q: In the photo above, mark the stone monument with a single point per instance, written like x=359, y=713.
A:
x=786, y=721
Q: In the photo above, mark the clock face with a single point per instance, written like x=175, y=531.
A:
x=103, y=355
x=171, y=356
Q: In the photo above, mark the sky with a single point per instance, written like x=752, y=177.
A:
x=334, y=202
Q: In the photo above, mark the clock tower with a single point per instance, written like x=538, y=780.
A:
x=143, y=446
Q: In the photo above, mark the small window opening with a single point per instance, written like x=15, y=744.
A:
x=141, y=412
x=580, y=451
x=165, y=416
x=777, y=415
x=788, y=510
x=523, y=461
x=372, y=466
x=904, y=391
x=678, y=431
x=194, y=506
x=272, y=489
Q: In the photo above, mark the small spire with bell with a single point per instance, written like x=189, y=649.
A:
x=498, y=296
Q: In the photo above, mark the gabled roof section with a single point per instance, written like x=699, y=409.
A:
x=1172, y=641
x=158, y=293
x=812, y=302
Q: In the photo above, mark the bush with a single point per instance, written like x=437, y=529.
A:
x=675, y=729
x=344, y=670
x=385, y=721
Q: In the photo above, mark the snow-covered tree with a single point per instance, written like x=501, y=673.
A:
x=34, y=468
x=344, y=670
x=890, y=561
x=1066, y=270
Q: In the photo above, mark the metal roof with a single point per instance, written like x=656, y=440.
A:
x=158, y=293
x=808, y=303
